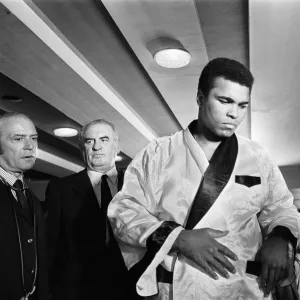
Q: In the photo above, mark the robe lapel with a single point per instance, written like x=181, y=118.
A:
x=196, y=151
x=214, y=180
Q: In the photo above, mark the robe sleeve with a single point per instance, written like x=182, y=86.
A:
x=134, y=216
x=278, y=208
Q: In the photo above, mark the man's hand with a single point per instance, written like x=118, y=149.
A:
x=274, y=260
x=200, y=246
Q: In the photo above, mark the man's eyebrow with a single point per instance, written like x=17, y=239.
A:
x=226, y=98
x=23, y=135
x=232, y=101
x=104, y=137
x=244, y=102
x=18, y=135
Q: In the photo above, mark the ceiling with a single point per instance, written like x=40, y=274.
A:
x=72, y=61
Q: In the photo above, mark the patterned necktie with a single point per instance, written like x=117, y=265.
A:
x=20, y=193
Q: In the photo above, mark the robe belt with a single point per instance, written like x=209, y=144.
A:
x=163, y=275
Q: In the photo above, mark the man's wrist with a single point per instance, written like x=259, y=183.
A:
x=178, y=242
x=284, y=233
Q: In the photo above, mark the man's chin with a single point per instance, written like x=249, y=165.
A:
x=27, y=166
x=226, y=133
x=100, y=167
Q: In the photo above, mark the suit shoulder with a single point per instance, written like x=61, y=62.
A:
x=65, y=180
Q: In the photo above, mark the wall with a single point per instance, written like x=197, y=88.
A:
x=291, y=175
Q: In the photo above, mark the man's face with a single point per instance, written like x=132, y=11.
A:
x=19, y=143
x=225, y=107
x=100, y=147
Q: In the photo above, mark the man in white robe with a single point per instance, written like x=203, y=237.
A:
x=196, y=206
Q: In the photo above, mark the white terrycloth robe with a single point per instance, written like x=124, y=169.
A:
x=160, y=184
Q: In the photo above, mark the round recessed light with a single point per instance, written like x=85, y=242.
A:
x=65, y=132
x=11, y=98
x=172, y=58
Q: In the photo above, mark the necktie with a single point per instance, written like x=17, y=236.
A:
x=20, y=193
x=106, y=196
x=105, y=199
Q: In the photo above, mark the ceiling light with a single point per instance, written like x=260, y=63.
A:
x=172, y=58
x=11, y=98
x=42, y=27
x=65, y=132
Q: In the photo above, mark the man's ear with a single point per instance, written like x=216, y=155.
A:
x=118, y=148
x=200, y=98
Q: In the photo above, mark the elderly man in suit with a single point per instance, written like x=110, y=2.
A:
x=85, y=259
x=22, y=229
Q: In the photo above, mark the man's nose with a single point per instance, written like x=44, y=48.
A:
x=233, y=112
x=97, y=145
x=29, y=144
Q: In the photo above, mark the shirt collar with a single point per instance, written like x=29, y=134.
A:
x=10, y=178
x=95, y=177
x=113, y=174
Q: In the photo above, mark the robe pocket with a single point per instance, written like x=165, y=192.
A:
x=247, y=180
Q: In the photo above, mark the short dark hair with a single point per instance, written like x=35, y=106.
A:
x=9, y=115
x=226, y=68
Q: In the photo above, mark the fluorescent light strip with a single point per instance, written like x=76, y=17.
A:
x=30, y=16
x=58, y=161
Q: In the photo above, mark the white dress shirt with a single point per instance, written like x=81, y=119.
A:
x=112, y=180
x=10, y=179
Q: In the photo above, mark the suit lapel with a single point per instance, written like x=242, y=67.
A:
x=6, y=206
x=83, y=187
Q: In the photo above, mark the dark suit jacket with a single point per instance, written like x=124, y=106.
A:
x=11, y=287
x=81, y=264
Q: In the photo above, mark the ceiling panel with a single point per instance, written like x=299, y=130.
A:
x=90, y=29
x=145, y=24
x=28, y=61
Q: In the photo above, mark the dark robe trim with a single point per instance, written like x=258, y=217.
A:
x=247, y=180
x=285, y=233
x=159, y=236
x=153, y=244
x=214, y=180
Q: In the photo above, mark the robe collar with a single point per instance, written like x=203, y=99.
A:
x=195, y=148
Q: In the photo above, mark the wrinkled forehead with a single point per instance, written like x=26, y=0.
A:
x=17, y=125
x=98, y=131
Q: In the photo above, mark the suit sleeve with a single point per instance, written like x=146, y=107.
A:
x=53, y=221
x=134, y=216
